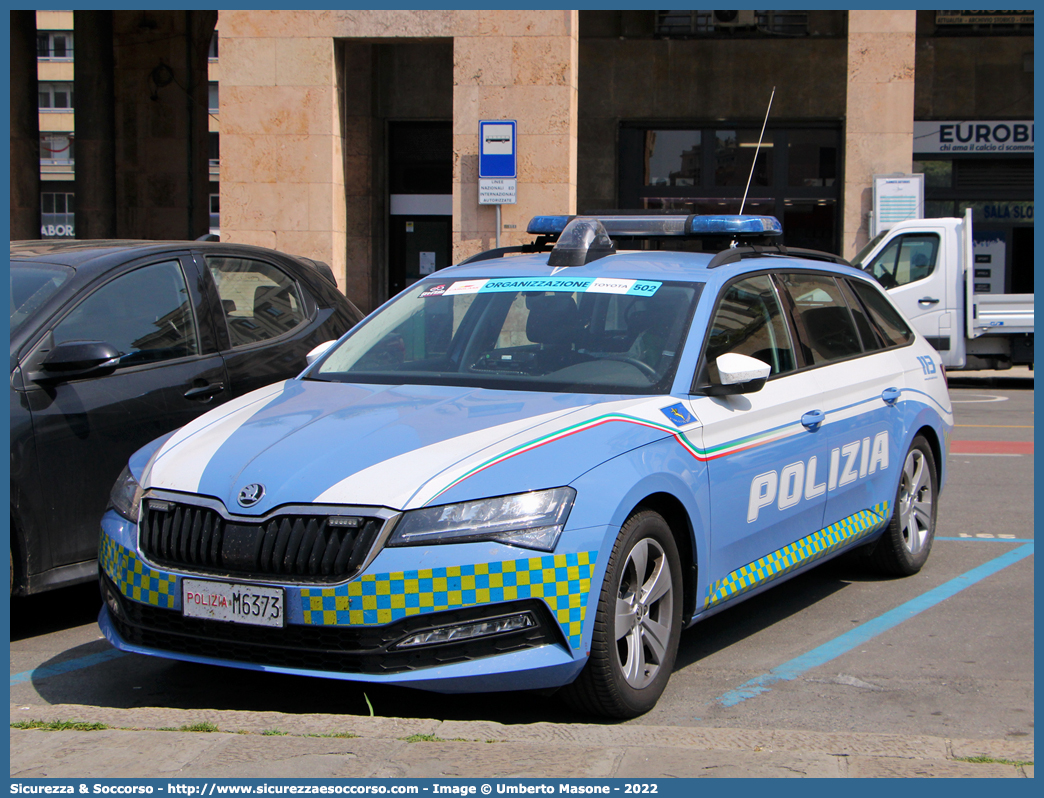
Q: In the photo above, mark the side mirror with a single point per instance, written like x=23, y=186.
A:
x=75, y=359
x=738, y=374
x=318, y=352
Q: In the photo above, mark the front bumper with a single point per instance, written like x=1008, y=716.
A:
x=350, y=631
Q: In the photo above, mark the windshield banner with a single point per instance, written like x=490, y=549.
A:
x=578, y=285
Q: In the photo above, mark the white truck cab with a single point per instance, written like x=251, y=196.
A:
x=928, y=268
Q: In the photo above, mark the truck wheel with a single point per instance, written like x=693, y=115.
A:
x=904, y=547
x=637, y=625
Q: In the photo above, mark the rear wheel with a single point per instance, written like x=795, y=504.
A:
x=637, y=626
x=904, y=547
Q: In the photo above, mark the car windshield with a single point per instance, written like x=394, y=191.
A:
x=535, y=334
x=32, y=284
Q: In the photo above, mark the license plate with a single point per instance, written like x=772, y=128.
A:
x=228, y=601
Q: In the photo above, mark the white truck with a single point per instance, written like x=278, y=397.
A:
x=929, y=267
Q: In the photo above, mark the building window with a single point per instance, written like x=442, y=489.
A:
x=56, y=96
x=56, y=149
x=782, y=23
x=705, y=169
x=214, y=148
x=980, y=23
x=54, y=45
x=212, y=52
x=215, y=213
x=57, y=217
x=212, y=97
x=703, y=23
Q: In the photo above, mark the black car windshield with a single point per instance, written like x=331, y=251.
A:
x=575, y=335
x=32, y=284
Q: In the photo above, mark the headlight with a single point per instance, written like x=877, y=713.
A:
x=126, y=495
x=530, y=520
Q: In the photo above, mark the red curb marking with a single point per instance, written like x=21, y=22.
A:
x=991, y=447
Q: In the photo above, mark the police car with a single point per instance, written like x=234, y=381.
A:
x=535, y=468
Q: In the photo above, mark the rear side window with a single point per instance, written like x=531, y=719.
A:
x=822, y=318
x=750, y=321
x=885, y=318
x=258, y=300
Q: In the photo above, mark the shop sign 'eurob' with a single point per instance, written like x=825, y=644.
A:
x=982, y=137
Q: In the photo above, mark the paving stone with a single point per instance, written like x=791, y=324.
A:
x=671, y=763
x=891, y=767
x=501, y=760
x=254, y=756
x=101, y=754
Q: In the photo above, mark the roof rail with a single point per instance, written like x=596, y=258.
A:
x=542, y=244
x=735, y=254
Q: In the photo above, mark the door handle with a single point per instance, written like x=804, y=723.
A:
x=205, y=391
x=890, y=396
x=812, y=419
x=927, y=300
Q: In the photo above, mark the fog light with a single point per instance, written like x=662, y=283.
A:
x=467, y=631
x=113, y=603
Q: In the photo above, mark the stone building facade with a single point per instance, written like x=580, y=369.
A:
x=351, y=136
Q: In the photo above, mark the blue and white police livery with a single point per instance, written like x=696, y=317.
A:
x=535, y=468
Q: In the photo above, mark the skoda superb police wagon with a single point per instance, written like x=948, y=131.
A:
x=534, y=469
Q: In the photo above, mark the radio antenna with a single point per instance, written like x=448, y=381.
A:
x=755, y=161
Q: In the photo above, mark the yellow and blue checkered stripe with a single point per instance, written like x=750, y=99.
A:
x=799, y=553
x=134, y=579
x=562, y=581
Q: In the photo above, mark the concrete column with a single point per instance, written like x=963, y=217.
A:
x=95, y=142
x=161, y=123
x=25, y=128
x=514, y=65
x=878, y=110
x=283, y=165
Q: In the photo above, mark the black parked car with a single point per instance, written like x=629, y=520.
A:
x=113, y=344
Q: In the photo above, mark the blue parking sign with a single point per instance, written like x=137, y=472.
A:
x=497, y=148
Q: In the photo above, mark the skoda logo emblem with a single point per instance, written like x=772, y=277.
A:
x=251, y=494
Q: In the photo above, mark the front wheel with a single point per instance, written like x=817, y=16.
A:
x=637, y=626
x=904, y=547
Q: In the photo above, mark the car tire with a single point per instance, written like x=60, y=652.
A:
x=628, y=668
x=904, y=547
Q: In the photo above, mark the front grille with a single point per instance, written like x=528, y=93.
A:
x=328, y=648
x=297, y=548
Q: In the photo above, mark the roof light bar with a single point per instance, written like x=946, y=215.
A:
x=735, y=225
x=657, y=225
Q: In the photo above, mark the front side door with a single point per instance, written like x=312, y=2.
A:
x=87, y=428
x=762, y=447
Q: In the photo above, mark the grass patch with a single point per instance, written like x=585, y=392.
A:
x=58, y=725
x=340, y=735
x=202, y=726
x=982, y=759
x=274, y=733
x=423, y=738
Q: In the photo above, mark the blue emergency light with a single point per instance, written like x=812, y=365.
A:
x=656, y=225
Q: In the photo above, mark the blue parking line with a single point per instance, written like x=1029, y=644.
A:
x=989, y=540
x=842, y=644
x=67, y=666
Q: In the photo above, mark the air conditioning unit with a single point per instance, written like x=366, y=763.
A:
x=734, y=19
